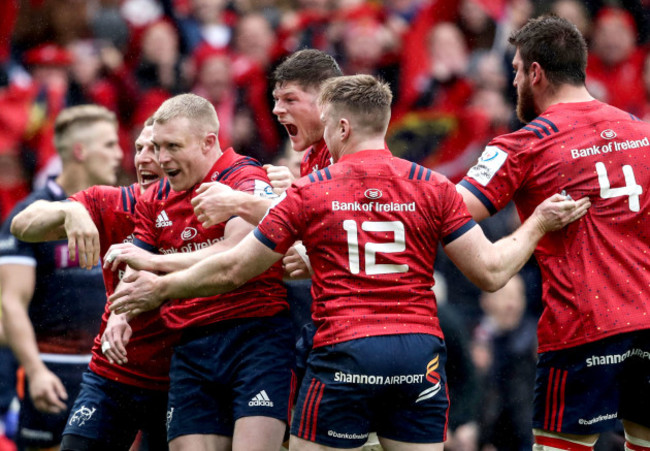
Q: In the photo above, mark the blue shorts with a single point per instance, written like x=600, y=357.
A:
x=229, y=370
x=38, y=429
x=394, y=385
x=585, y=389
x=112, y=413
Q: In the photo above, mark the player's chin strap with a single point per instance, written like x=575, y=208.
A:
x=636, y=444
x=548, y=441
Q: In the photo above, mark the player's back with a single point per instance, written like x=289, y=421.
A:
x=596, y=268
x=373, y=222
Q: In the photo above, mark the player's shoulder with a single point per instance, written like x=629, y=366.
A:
x=159, y=191
x=241, y=168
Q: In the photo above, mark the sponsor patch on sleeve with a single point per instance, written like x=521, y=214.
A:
x=488, y=165
x=263, y=189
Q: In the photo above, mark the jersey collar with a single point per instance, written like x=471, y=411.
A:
x=369, y=153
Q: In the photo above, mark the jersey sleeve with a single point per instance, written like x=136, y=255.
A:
x=253, y=180
x=497, y=174
x=87, y=198
x=283, y=223
x=456, y=219
x=12, y=250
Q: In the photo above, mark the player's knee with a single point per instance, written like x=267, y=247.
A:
x=551, y=441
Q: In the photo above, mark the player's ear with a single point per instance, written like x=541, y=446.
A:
x=344, y=128
x=209, y=142
x=78, y=152
x=536, y=72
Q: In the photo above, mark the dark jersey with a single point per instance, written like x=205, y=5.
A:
x=68, y=301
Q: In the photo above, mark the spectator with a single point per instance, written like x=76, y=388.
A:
x=615, y=67
x=509, y=336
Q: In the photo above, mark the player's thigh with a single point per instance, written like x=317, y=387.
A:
x=258, y=434
x=298, y=444
x=578, y=390
x=37, y=429
x=392, y=384
x=111, y=413
x=263, y=363
x=394, y=445
x=412, y=405
x=201, y=442
x=635, y=385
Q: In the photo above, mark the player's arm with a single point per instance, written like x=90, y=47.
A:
x=473, y=204
x=490, y=265
x=17, y=283
x=236, y=229
x=217, y=274
x=48, y=221
x=216, y=202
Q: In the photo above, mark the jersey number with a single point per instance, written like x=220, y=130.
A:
x=372, y=267
x=631, y=188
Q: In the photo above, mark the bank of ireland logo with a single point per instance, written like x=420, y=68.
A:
x=188, y=233
x=373, y=193
x=214, y=176
x=608, y=134
x=434, y=377
x=81, y=415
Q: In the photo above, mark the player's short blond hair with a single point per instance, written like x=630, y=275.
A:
x=364, y=97
x=199, y=111
x=71, y=125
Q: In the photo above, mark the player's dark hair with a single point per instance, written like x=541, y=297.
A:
x=367, y=98
x=556, y=45
x=308, y=68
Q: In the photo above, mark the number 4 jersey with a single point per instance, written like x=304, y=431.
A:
x=596, y=271
x=371, y=224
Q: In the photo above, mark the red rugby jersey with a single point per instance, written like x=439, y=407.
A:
x=316, y=157
x=150, y=348
x=596, y=271
x=165, y=223
x=371, y=224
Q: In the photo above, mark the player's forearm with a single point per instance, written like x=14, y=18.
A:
x=41, y=221
x=206, y=278
x=510, y=254
x=167, y=263
x=21, y=338
x=252, y=208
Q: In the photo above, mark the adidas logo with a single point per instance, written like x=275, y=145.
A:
x=260, y=399
x=163, y=220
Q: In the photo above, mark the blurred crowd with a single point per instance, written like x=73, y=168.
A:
x=447, y=62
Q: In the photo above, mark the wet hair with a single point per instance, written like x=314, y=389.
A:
x=308, y=68
x=556, y=45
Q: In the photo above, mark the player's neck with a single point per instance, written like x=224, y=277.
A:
x=72, y=181
x=564, y=94
x=357, y=146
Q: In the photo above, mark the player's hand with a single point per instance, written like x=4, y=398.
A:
x=558, y=210
x=132, y=255
x=280, y=177
x=115, y=338
x=214, y=203
x=296, y=263
x=47, y=392
x=83, y=236
x=137, y=293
